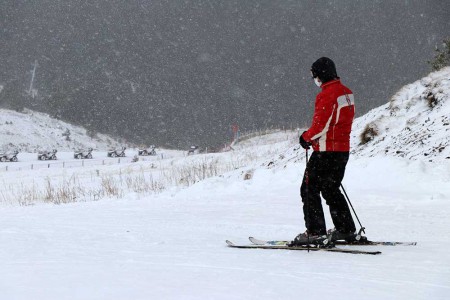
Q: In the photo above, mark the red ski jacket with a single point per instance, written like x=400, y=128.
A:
x=333, y=117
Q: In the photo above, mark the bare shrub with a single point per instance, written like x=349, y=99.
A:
x=26, y=196
x=66, y=192
x=442, y=57
x=110, y=187
x=140, y=184
x=190, y=174
x=431, y=99
x=368, y=134
x=248, y=174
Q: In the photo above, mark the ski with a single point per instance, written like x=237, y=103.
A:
x=363, y=243
x=304, y=248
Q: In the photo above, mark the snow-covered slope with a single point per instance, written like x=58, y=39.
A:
x=415, y=124
x=31, y=131
x=171, y=244
x=159, y=228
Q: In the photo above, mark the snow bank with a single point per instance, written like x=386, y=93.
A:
x=32, y=131
x=415, y=124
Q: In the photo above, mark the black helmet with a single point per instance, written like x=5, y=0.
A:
x=324, y=69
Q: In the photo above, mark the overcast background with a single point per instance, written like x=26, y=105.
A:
x=175, y=73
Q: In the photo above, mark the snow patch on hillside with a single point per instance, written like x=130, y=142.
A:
x=32, y=131
x=415, y=124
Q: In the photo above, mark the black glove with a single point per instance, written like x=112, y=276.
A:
x=305, y=145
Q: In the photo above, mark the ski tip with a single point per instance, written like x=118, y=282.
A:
x=256, y=241
x=409, y=243
x=397, y=243
x=229, y=243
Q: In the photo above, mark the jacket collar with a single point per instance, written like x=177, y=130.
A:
x=324, y=85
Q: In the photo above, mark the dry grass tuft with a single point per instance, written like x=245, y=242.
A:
x=369, y=133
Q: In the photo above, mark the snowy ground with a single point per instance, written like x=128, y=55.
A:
x=170, y=245
x=159, y=228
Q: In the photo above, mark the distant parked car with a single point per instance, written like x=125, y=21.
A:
x=9, y=156
x=194, y=150
x=82, y=154
x=46, y=155
x=149, y=151
x=117, y=152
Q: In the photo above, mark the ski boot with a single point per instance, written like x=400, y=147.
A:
x=305, y=239
x=351, y=237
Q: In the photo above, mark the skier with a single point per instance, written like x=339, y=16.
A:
x=329, y=135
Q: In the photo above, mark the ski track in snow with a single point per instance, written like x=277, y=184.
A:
x=171, y=245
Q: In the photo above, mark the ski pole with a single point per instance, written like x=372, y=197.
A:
x=306, y=192
x=348, y=199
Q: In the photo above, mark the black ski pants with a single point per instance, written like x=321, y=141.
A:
x=323, y=175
